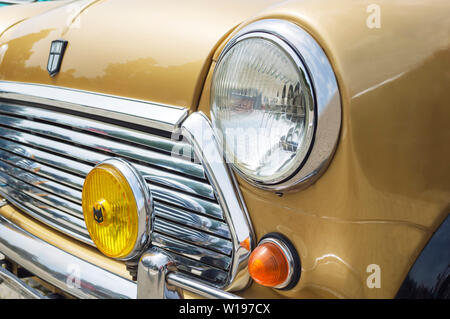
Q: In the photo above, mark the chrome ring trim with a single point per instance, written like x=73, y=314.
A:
x=198, y=131
x=57, y=266
x=114, y=107
x=144, y=203
x=289, y=257
x=326, y=92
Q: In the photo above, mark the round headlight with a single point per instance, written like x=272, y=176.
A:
x=263, y=104
x=262, y=101
x=116, y=209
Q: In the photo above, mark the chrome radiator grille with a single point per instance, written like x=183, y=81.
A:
x=45, y=155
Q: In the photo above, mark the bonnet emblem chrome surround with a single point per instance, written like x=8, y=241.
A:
x=57, y=49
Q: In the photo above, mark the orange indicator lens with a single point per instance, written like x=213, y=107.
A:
x=268, y=265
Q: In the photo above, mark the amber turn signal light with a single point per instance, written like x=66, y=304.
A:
x=274, y=262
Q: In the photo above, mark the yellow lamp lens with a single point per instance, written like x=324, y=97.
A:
x=110, y=211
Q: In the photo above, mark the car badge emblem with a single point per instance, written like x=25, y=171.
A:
x=55, y=57
x=98, y=214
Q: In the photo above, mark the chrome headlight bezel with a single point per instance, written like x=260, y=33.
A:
x=323, y=121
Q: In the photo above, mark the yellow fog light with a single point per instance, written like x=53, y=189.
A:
x=117, y=209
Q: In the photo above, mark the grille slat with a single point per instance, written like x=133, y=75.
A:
x=191, y=219
x=82, y=152
x=45, y=155
x=188, y=250
x=42, y=170
x=97, y=127
x=55, y=218
x=185, y=201
x=42, y=195
x=35, y=156
x=184, y=184
x=162, y=177
x=193, y=236
x=171, y=196
x=41, y=183
x=204, y=271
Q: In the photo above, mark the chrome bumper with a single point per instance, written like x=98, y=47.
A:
x=19, y=286
x=59, y=268
x=85, y=280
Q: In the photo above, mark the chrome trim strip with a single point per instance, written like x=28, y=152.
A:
x=82, y=140
x=19, y=286
x=58, y=267
x=193, y=220
x=96, y=127
x=326, y=92
x=198, y=131
x=190, y=251
x=193, y=236
x=114, y=107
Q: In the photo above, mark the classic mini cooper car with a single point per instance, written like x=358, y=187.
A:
x=225, y=149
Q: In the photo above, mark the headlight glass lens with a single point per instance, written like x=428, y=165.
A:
x=110, y=211
x=262, y=108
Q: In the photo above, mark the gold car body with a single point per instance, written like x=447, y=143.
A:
x=387, y=187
